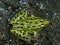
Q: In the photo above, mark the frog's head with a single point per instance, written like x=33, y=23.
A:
x=44, y=22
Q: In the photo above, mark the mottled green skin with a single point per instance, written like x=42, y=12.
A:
x=26, y=27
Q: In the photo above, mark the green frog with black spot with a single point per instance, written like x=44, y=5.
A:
x=26, y=27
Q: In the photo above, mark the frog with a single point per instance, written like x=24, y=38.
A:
x=27, y=27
